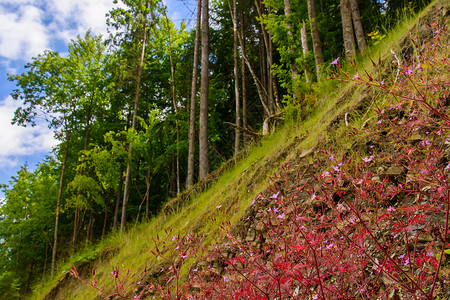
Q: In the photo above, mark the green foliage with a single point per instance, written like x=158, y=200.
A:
x=26, y=223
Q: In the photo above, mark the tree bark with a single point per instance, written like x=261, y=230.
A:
x=317, y=44
x=357, y=24
x=347, y=28
x=294, y=71
x=204, y=94
x=90, y=227
x=118, y=197
x=192, y=115
x=172, y=76
x=262, y=92
x=243, y=78
x=305, y=50
x=237, y=133
x=58, y=203
x=266, y=57
x=126, y=192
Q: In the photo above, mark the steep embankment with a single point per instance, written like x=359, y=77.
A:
x=318, y=169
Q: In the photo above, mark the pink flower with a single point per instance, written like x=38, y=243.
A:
x=274, y=196
x=356, y=76
x=334, y=62
x=367, y=159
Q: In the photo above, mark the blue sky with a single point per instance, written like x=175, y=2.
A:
x=27, y=28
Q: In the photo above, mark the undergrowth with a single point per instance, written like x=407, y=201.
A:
x=368, y=223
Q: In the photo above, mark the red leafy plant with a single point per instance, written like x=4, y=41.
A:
x=367, y=223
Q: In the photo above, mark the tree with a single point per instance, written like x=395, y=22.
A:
x=204, y=94
x=193, y=106
x=359, y=31
x=317, y=44
x=347, y=29
x=26, y=226
x=237, y=134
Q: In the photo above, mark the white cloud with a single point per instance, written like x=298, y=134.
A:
x=16, y=141
x=29, y=27
x=22, y=32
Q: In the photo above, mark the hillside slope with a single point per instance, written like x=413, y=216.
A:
x=317, y=169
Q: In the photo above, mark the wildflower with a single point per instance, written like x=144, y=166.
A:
x=382, y=82
x=282, y=216
x=406, y=262
x=356, y=76
x=447, y=167
x=218, y=206
x=390, y=209
x=409, y=71
x=274, y=196
x=334, y=62
x=401, y=256
x=359, y=182
x=115, y=273
x=195, y=270
x=326, y=174
x=336, y=169
x=225, y=278
x=331, y=157
x=174, y=237
x=275, y=210
x=313, y=196
x=418, y=66
x=367, y=159
x=380, y=121
x=330, y=246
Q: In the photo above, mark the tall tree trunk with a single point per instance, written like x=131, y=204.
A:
x=204, y=94
x=357, y=24
x=148, y=181
x=77, y=224
x=236, y=82
x=126, y=192
x=305, y=50
x=262, y=92
x=174, y=101
x=90, y=227
x=118, y=198
x=243, y=78
x=317, y=44
x=105, y=223
x=58, y=203
x=191, y=153
x=347, y=28
x=267, y=61
x=293, y=66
